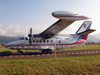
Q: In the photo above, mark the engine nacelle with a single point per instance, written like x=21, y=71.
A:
x=68, y=15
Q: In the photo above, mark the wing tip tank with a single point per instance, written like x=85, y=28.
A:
x=68, y=15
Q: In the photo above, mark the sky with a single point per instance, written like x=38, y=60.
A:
x=18, y=16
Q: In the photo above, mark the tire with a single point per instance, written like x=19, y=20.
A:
x=48, y=51
x=20, y=52
x=43, y=51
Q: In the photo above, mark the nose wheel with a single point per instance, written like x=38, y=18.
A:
x=20, y=52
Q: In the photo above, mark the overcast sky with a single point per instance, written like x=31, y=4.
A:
x=18, y=16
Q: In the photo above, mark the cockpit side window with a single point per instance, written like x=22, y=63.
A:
x=26, y=38
x=21, y=38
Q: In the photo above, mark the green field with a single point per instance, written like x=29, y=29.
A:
x=63, y=66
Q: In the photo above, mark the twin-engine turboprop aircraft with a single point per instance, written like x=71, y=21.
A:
x=45, y=40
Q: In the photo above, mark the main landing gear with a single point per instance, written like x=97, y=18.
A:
x=46, y=51
x=20, y=52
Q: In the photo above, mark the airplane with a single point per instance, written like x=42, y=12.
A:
x=45, y=40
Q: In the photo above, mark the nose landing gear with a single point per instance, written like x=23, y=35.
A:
x=20, y=52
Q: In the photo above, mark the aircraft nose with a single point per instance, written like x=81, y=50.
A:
x=10, y=44
x=5, y=45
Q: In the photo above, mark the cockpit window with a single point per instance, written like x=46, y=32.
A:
x=21, y=38
x=26, y=38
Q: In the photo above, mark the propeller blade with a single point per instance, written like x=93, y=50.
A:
x=31, y=31
x=30, y=36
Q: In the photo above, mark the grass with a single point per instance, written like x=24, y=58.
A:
x=63, y=66
x=81, y=48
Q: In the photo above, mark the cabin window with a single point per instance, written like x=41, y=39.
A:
x=44, y=41
x=40, y=41
x=47, y=41
x=37, y=41
x=33, y=40
x=59, y=41
x=26, y=38
x=51, y=41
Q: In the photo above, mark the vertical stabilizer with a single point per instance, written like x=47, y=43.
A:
x=84, y=27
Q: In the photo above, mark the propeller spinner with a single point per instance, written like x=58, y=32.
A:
x=30, y=36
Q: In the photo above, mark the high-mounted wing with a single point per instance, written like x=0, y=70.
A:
x=66, y=18
x=55, y=28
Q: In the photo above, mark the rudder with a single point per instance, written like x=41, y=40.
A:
x=84, y=27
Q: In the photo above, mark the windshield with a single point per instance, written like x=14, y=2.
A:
x=21, y=38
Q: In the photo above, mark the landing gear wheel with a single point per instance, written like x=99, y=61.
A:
x=43, y=51
x=20, y=52
x=48, y=51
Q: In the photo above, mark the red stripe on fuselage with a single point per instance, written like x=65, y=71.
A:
x=83, y=40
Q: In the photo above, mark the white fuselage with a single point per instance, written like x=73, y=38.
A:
x=61, y=42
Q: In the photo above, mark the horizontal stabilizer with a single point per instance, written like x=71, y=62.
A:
x=87, y=32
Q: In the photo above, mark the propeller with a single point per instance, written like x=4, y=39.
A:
x=30, y=36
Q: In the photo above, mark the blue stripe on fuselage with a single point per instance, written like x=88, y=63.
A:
x=80, y=38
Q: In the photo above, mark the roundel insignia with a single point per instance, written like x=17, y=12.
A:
x=84, y=25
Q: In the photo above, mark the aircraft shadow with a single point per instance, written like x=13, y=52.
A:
x=16, y=53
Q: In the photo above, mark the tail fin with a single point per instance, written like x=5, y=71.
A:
x=85, y=28
x=82, y=33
